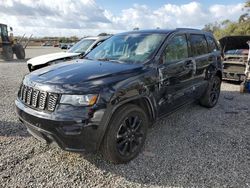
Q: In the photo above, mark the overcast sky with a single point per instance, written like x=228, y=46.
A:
x=90, y=17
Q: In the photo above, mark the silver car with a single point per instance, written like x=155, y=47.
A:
x=78, y=50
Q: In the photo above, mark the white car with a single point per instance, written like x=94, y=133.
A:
x=78, y=50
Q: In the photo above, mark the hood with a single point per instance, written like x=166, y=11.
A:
x=43, y=59
x=234, y=42
x=83, y=74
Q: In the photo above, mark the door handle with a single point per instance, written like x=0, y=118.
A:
x=189, y=64
x=165, y=82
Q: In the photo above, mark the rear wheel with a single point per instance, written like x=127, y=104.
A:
x=19, y=51
x=7, y=53
x=212, y=93
x=126, y=134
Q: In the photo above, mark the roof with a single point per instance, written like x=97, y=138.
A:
x=97, y=37
x=167, y=31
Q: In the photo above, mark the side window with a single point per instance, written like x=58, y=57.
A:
x=176, y=49
x=198, y=44
x=212, y=46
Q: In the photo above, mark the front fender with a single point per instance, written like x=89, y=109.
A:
x=132, y=90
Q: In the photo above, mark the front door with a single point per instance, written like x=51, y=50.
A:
x=176, y=72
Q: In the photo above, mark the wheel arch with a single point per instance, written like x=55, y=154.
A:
x=143, y=102
x=213, y=70
x=219, y=74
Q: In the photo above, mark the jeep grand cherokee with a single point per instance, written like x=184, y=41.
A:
x=106, y=101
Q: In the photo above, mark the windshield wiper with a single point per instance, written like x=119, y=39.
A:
x=118, y=61
x=111, y=60
x=85, y=57
x=103, y=59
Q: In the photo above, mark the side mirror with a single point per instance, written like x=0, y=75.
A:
x=11, y=29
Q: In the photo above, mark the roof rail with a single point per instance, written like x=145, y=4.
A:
x=182, y=28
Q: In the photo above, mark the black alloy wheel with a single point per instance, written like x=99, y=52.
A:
x=126, y=134
x=215, y=91
x=212, y=93
x=130, y=135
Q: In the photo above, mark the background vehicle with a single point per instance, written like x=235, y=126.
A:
x=8, y=47
x=108, y=100
x=47, y=44
x=76, y=51
x=235, y=63
x=66, y=46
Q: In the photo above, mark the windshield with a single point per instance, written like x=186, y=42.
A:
x=131, y=48
x=81, y=46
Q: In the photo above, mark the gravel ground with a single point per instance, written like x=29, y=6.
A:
x=33, y=51
x=194, y=147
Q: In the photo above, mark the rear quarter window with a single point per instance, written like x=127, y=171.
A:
x=198, y=44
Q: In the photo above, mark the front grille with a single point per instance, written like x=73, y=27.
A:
x=38, y=99
x=234, y=68
x=240, y=59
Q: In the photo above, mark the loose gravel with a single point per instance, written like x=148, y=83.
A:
x=193, y=147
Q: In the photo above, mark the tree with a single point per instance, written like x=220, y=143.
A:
x=227, y=27
x=247, y=4
x=212, y=27
x=103, y=34
x=74, y=38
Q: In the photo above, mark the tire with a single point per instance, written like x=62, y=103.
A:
x=126, y=134
x=19, y=51
x=7, y=53
x=212, y=93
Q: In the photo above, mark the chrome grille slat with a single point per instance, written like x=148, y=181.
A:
x=42, y=100
x=35, y=98
x=24, y=94
x=38, y=99
x=52, y=101
x=29, y=96
x=21, y=92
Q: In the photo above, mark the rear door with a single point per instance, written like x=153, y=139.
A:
x=202, y=57
x=176, y=71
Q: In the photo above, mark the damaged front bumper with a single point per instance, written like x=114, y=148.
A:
x=68, y=134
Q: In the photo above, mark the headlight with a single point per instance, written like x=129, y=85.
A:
x=79, y=100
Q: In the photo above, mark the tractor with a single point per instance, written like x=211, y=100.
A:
x=9, y=46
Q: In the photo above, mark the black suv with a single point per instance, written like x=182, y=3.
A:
x=107, y=100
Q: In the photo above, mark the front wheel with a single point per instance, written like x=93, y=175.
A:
x=212, y=93
x=126, y=134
